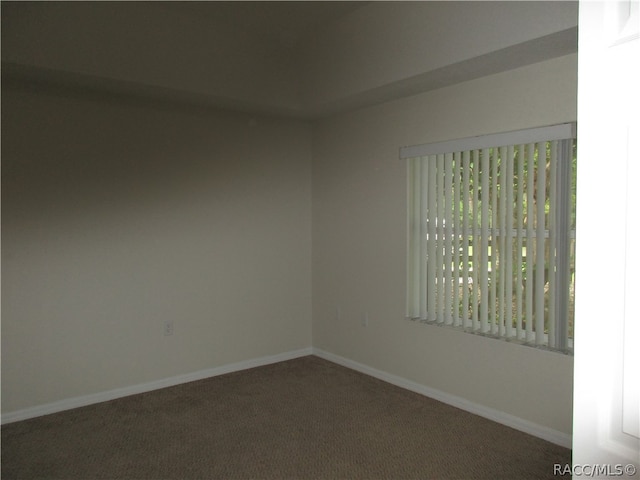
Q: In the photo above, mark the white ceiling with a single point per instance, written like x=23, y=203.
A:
x=297, y=58
x=287, y=22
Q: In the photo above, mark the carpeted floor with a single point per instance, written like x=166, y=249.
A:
x=301, y=419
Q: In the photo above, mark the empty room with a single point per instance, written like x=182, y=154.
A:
x=232, y=242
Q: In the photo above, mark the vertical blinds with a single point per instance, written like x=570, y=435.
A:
x=491, y=232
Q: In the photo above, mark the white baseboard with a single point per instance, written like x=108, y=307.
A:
x=85, y=400
x=545, y=433
x=512, y=421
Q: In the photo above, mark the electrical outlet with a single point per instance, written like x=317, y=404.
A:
x=168, y=327
x=338, y=314
x=365, y=319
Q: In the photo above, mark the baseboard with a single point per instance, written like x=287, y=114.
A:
x=85, y=400
x=545, y=433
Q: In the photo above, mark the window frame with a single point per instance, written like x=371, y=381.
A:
x=562, y=133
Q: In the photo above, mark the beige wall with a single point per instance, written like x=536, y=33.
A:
x=359, y=242
x=117, y=216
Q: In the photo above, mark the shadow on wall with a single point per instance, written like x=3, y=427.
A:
x=72, y=154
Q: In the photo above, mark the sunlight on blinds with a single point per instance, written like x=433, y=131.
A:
x=491, y=236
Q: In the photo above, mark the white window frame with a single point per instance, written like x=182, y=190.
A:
x=419, y=248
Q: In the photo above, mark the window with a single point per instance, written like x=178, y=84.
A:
x=491, y=235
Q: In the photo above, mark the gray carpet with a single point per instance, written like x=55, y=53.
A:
x=301, y=419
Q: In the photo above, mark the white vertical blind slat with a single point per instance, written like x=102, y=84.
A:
x=530, y=240
x=431, y=245
x=410, y=285
x=502, y=226
x=456, y=240
x=440, y=242
x=540, y=242
x=508, y=256
x=488, y=245
x=494, y=247
x=475, y=250
x=519, y=241
x=553, y=186
x=423, y=175
x=564, y=242
x=413, y=250
x=465, y=239
x=484, y=241
x=448, y=238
